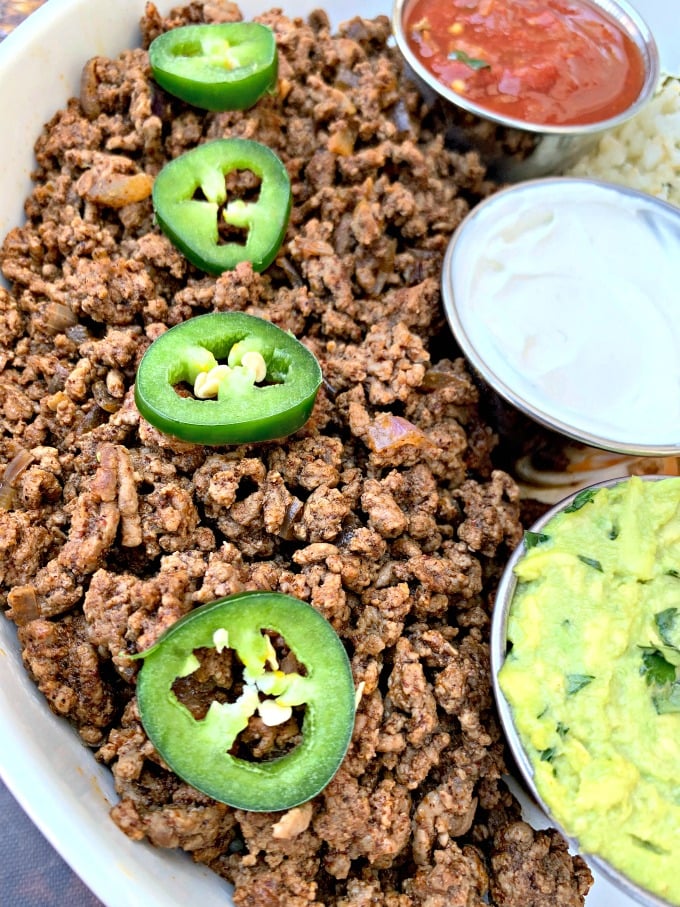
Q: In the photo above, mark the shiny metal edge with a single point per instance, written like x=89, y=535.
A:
x=627, y=17
x=498, y=643
x=547, y=420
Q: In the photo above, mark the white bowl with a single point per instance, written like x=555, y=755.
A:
x=42, y=761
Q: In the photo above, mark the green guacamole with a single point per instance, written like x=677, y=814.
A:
x=593, y=674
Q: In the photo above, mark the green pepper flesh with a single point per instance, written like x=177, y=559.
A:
x=243, y=412
x=219, y=66
x=191, y=222
x=196, y=750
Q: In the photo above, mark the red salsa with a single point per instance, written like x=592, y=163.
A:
x=545, y=62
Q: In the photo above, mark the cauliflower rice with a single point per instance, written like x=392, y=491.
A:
x=644, y=152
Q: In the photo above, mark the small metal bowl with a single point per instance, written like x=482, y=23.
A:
x=513, y=149
x=559, y=291
x=498, y=650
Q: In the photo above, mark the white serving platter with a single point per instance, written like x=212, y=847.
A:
x=42, y=761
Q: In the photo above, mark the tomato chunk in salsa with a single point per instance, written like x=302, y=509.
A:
x=545, y=62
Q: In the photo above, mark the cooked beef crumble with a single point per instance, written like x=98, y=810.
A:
x=384, y=511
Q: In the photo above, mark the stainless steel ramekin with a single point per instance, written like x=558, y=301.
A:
x=499, y=638
x=516, y=150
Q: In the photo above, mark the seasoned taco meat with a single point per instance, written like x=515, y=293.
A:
x=384, y=512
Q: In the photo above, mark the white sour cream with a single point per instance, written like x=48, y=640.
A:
x=565, y=296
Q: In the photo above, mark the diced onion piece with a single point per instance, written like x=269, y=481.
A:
x=389, y=431
x=103, y=398
x=115, y=190
x=16, y=466
x=59, y=317
x=293, y=514
x=23, y=605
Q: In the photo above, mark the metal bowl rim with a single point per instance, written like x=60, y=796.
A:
x=498, y=640
x=543, y=417
x=627, y=18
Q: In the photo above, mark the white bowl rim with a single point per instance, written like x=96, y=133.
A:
x=43, y=762
x=120, y=877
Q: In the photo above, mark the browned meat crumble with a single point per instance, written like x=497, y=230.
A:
x=384, y=512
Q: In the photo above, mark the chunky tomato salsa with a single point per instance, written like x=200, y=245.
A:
x=544, y=62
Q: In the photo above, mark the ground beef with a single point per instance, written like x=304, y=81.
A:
x=556, y=877
x=384, y=511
